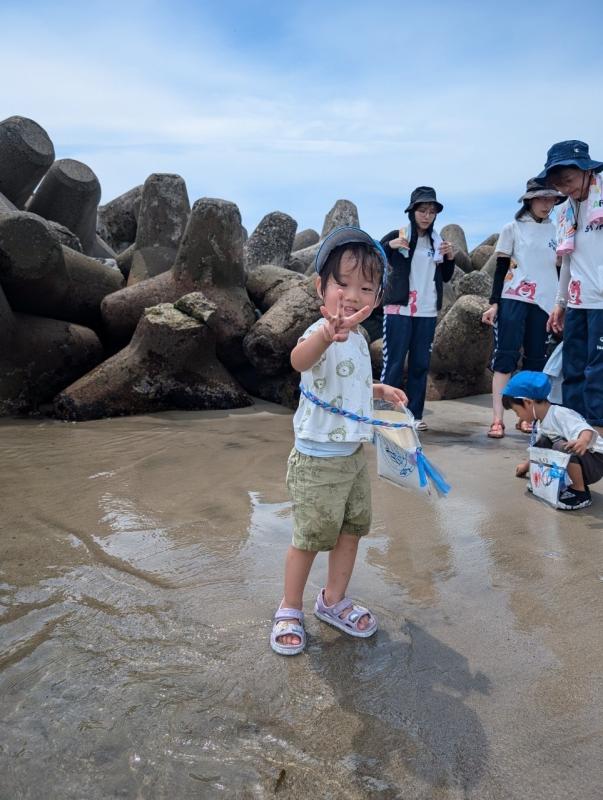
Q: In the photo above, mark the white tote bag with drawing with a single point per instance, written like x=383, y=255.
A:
x=548, y=473
x=400, y=457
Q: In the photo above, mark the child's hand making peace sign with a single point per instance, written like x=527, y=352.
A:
x=337, y=327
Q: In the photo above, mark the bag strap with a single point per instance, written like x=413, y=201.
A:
x=378, y=423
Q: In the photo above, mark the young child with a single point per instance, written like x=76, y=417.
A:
x=579, y=306
x=327, y=473
x=420, y=262
x=558, y=428
x=523, y=296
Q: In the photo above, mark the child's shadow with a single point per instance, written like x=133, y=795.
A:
x=409, y=697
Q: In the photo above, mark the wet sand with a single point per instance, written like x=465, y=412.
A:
x=141, y=561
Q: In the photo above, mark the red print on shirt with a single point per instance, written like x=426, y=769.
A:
x=412, y=302
x=574, y=293
x=524, y=289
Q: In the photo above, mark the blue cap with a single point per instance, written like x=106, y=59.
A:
x=529, y=386
x=348, y=234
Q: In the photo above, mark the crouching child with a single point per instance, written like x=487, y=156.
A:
x=557, y=428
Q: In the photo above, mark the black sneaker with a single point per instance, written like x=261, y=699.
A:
x=572, y=500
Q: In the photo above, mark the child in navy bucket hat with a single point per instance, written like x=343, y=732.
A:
x=557, y=428
x=327, y=472
x=578, y=310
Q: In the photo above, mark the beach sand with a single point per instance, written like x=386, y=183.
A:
x=142, y=559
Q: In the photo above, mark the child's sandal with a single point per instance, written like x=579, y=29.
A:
x=496, y=430
x=285, y=625
x=349, y=623
x=524, y=426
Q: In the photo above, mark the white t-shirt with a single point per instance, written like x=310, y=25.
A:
x=343, y=378
x=561, y=422
x=581, y=279
x=422, y=296
x=532, y=246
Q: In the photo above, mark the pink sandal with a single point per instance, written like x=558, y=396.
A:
x=349, y=623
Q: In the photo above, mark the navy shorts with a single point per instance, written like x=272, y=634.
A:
x=519, y=327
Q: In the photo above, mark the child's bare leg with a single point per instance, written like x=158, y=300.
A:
x=575, y=472
x=499, y=381
x=297, y=568
x=341, y=565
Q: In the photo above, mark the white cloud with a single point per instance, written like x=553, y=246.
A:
x=265, y=136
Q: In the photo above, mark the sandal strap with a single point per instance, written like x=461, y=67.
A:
x=348, y=621
x=283, y=627
x=289, y=613
x=357, y=613
x=338, y=608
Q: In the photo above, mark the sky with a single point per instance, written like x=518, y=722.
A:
x=289, y=106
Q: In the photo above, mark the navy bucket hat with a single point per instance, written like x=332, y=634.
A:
x=348, y=234
x=423, y=194
x=571, y=153
x=528, y=385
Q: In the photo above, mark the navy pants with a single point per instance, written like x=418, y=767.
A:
x=413, y=336
x=519, y=326
x=583, y=363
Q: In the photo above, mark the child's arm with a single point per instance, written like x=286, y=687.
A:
x=580, y=445
x=382, y=391
x=557, y=317
x=308, y=352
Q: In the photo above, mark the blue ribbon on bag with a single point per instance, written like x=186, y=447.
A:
x=426, y=468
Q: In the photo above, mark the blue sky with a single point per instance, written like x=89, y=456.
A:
x=291, y=105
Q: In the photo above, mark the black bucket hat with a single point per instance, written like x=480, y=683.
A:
x=423, y=194
x=536, y=188
x=571, y=153
x=348, y=234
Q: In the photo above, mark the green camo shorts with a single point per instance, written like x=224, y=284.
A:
x=330, y=496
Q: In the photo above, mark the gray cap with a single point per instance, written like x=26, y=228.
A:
x=346, y=234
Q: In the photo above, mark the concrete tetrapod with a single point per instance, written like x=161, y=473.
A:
x=210, y=260
x=39, y=357
x=456, y=235
x=305, y=238
x=69, y=194
x=461, y=349
x=26, y=153
x=269, y=343
x=6, y=205
x=170, y=363
x=480, y=255
x=41, y=276
x=271, y=241
x=117, y=220
x=266, y=283
x=164, y=211
x=344, y=212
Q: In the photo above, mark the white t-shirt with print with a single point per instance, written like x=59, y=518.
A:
x=584, y=287
x=532, y=246
x=561, y=422
x=422, y=296
x=343, y=378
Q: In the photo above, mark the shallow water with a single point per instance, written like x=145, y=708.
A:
x=141, y=560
